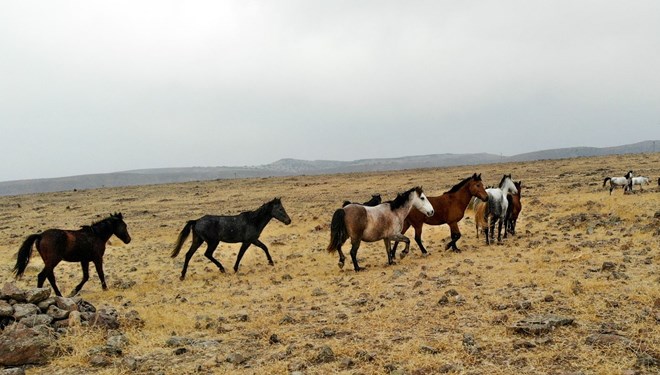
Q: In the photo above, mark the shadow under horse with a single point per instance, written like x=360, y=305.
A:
x=245, y=228
x=83, y=245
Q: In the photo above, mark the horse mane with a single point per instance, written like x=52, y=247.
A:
x=103, y=224
x=504, y=177
x=264, y=207
x=459, y=185
x=402, y=198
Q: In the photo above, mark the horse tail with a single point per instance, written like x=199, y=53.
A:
x=24, y=254
x=605, y=180
x=338, y=232
x=185, y=232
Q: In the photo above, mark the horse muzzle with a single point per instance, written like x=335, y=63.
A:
x=430, y=213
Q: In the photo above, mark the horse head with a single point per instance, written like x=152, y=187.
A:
x=278, y=211
x=476, y=187
x=422, y=203
x=507, y=185
x=119, y=227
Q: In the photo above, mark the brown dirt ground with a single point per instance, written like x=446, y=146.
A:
x=387, y=318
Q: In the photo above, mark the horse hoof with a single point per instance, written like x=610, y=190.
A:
x=182, y=278
x=426, y=254
x=402, y=255
x=358, y=269
x=341, y=265
x=271, y=263
x=221, y=270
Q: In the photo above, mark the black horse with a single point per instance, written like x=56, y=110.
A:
x=374, y=201
x=245, y=227
x=83, y=245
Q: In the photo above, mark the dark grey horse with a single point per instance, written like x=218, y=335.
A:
x=245, y=227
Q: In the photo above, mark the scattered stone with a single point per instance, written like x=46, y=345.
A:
x=241, y=316
x=325, y=355
x=363, y=355
x=57, y=313
x=606, y=339
x=130, y=363
x=501, y=319
x=37, y=295
x=287, y=320
x=75, y=319
x=25, y=346
x=13, y=371
x=180, y=351
x=470, y=344
x=523, y=344
x=105, y=318
x=428, y=349
x=236, y=358
x=178, y=341
x=645, y=359
x=523, y=305
x=36, y=320
x=98, y=360
x=117, y=341
x=45, y=304
x=318, y=292
x=548, y=298
x=273, y=339
x=6, y=309
x=68, y=304
x=22, y=310
x=84, y=306
x=443, y=300
x=536, y=325
x=11, y=291
x=451, y=293
x=132, y=319
x=608, y=266
x=347, y=363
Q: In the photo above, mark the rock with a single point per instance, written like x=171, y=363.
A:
x=98, y=360
x=179, y=351
x=236, y=358
x=13, y=371
x=451, y=293
x=37, y=295
x=287, y=320
x=45, y=304
x=548, y=298
x=24, y=346
x=325, y=355
x=501, y=319
x=443, y=300
x=36, y=320
x=347, y=363
x=129, y=363
x=84, y=306
x=105, y=318
x=133, y=319
x=428, y=349
x=608, y=266
x=75, y=319
x=241, y=316
x=606, y=339
x=178, y=341
x=318, y=292
x=470, y=344
x=11, y=291
x=523, y=305
x=523, y=344
x=68, y=304
x=6, y=309
x=363, y=355
x=535, y=325
x=117, y=341
x=22, y=310
x=273, y=339
x=57, y=313
x=645, y=359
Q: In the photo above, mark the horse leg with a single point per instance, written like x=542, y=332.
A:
x=212, y=245
x=241, y=252
x=455, y=235
x=196, y=243
x=51, y=279
x=418, y=238
x=355, y=245
x=85, y=270
x=499, y=230
x=406, y=225
x=98, y=264
x=388, y=250
x=265, y=249
x=342, y=258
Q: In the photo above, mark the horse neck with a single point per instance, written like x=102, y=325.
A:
x=103, y=230
x=404, y=210
x=463, y=195
x=261, y=217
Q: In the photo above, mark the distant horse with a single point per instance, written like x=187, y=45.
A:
x=245, y=227
x=83, y=245
x=497, y=207
x=514, y=208
x=449, y=209
x=382, y=222
x=619, y=181
x=638, y=181
x=374, y=201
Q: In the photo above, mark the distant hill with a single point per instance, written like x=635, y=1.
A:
x=291, y=167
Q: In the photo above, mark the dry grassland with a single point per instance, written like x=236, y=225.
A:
x=387, y=318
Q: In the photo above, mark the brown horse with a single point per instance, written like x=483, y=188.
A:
x=449, y=209
x=513, y=211
x=83, y=245
x=381, y=222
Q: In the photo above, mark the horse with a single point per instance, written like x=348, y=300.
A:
x=374, y=201
x=619, y=181
x=638, y=181
x=449, y=209
x=245, y=228
x=369, y=224
x=497, y=207
x=84, y=245
x=513, y=210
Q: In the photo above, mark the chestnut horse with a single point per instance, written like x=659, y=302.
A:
x=382, y=222
x=449, y=209
x=513, y=211
x=83, y=245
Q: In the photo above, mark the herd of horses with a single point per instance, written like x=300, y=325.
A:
x=370, y=221
x=627, y=182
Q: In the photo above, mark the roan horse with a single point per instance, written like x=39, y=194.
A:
x=245, y=227
x=513, y=211
x=369, y=224
x=83, y=245
x=619, y=181
x=495, y=209
x=449, y=208
x=374, y=201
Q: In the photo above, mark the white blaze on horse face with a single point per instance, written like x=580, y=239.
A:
x=424, y=206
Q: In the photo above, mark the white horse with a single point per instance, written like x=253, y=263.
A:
x=638, y=181
x=498, y=205
x=619, y=181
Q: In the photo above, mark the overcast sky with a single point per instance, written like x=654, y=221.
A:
x=104, y=86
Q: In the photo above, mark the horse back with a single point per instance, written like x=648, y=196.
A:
x=70, y=245
x=230, y=228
